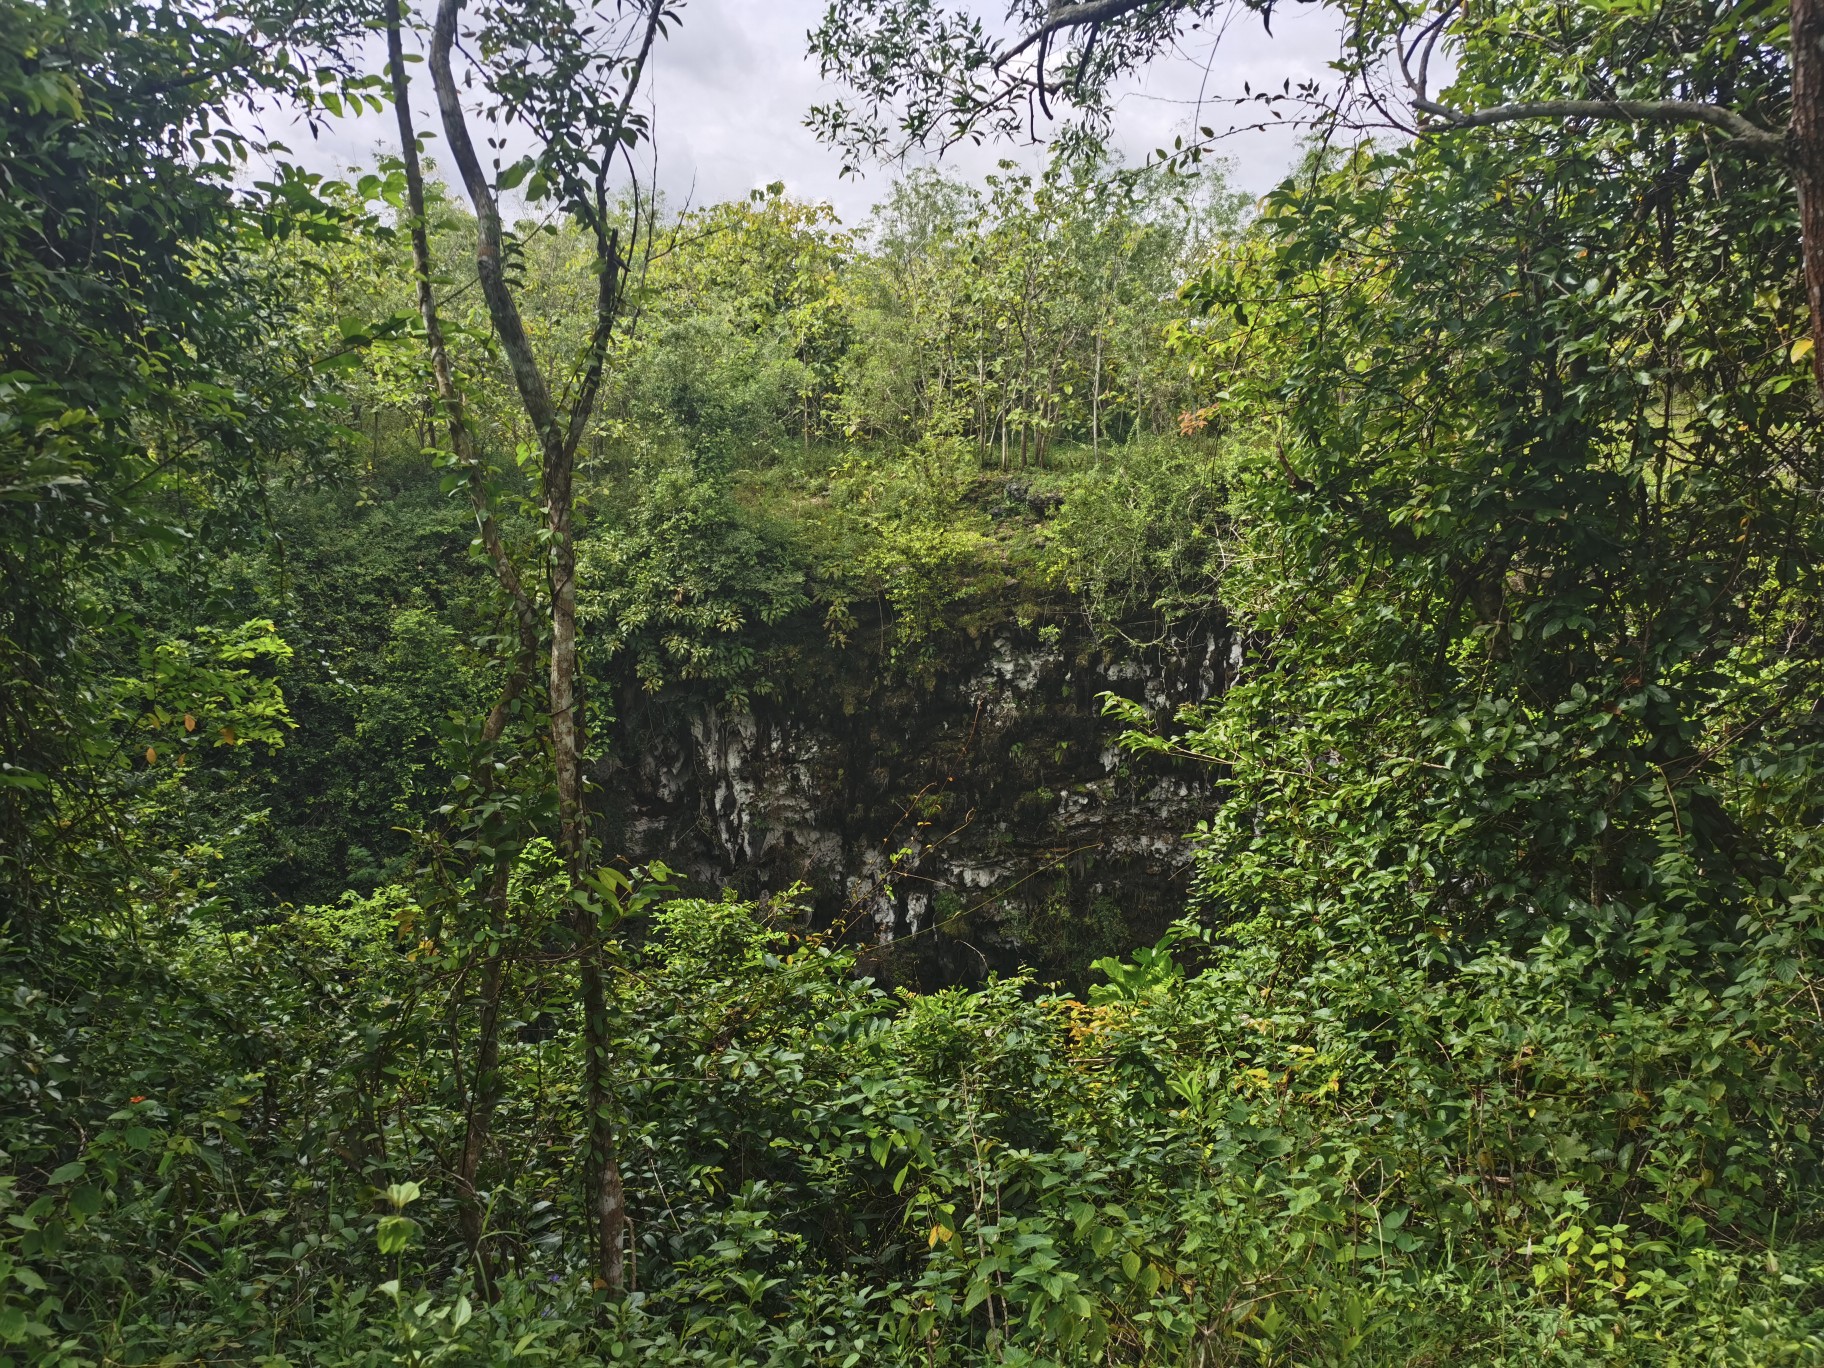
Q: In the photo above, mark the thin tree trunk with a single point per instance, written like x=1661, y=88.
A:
x=1049, y=408
x=557, y=443
x=602, y=1171
x=484, y=1092
x=1025, y=364
x=984, y=436
x=462, y=441
x=1807, y=150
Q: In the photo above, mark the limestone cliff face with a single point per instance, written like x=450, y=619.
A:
x=970, y=815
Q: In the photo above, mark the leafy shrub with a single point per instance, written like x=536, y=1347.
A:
x=673, y=579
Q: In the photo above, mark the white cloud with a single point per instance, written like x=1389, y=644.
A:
x=732, y=85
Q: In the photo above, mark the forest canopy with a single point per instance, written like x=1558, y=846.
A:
x=1413, y=572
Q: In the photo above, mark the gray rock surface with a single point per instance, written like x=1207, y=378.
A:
x=971, y=815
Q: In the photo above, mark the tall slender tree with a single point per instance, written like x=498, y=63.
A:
x=569, y=79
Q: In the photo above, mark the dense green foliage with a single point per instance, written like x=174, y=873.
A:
x=147, y=361
x=1491, y=1033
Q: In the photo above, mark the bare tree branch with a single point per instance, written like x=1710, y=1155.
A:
x=607, y=245
x=502, y=309
x=1073, y=16
x=1739, y=129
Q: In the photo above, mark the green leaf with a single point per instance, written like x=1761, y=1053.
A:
x=510, y=178
x=394, y=1233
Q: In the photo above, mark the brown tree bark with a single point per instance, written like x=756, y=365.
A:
x=1806, y=136
x=1801, y=146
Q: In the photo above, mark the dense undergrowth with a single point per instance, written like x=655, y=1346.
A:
x=1186, y=1166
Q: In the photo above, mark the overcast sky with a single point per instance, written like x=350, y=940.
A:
x=733, y=84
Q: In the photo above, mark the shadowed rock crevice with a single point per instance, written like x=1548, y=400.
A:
x=976, y=815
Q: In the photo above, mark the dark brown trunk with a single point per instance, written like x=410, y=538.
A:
x=602, y=1174
x=1807, y=137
